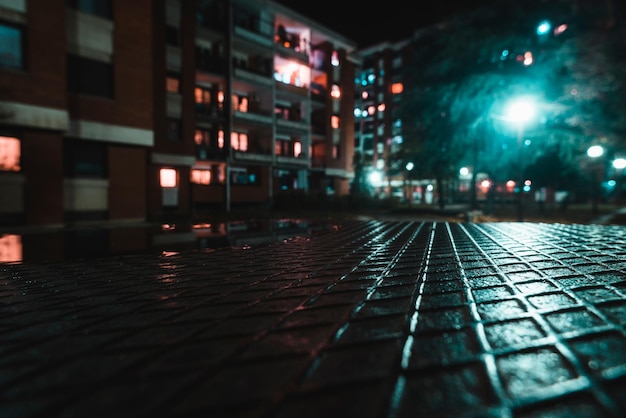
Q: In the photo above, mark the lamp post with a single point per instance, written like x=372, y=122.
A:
x=594, y=152
x=619, y=164
x=409, y=167
x=520, y=112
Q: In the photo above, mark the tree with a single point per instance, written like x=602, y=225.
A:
x=463, y=73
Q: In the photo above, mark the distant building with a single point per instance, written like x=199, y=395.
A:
x=150, y=110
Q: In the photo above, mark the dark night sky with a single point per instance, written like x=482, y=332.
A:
x=391, y=20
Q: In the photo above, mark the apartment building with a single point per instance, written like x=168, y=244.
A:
x=378, y=124
x=152, y=110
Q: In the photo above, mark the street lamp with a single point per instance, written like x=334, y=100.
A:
x=619, y=164
x=409, y=167
x=520, y=112
x=594, y=152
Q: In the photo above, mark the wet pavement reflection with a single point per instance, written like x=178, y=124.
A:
x=98, y=241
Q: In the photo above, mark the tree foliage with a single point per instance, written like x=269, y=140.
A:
x=463, y=74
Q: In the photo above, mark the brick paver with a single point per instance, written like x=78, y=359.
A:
x=376, y=319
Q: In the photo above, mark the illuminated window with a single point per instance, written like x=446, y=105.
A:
x=243, y=104
x=203, y=96
x=397, y=88
x=11, y=41
x=201, y=176
x=297, y=149
x=334, y=59
x=371, y=110
x=335, y=92
x=243, y=142
x=334, y=122
x=220, y=99
x=239, y=141
x=234, y=140
x=240, y=103
x=381, y=107
x=9, y=154
x=10, y=248
x=168, y=177
x=201, y=137
x=220, y=139
x=172, y=84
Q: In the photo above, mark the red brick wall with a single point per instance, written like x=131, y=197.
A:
x=42, y=157
x=43, y=81
x=132, y=61
x=127, y=183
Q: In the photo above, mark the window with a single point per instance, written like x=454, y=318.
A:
x=203, y=96
x=240, y=103
x=334, y=122
x=84, y=159
x=288, y=148
x=87, y=76
x=242, y=176
x=172, y=83
x=168, y=177
x=172, y=36
x=201, y=176
x=100, y=8
x=10, y=154
x=335, y=91
x=202, y=137
x=11, y=42
x=174, y=130
x=239, y=141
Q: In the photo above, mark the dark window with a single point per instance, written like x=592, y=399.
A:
x=84, y=158
x=173, y=130
x=87, y=76
x=249, y=177
x=100, y=8
x=11, y=46
x=172, y=36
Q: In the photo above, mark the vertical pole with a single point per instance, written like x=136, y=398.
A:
x=520, y=187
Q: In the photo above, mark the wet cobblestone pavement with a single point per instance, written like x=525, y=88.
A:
x=376, y=319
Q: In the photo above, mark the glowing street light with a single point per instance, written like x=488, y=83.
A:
x=594, y=152
x=520, y=112
x=544, y=28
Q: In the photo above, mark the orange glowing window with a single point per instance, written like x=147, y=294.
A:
x=297, y=149
x=10, y=248
x=201, y=176
x=243, y=142
x=220, y=139
x=202, y=95
x=243, y=104
x=172, y=84
x=220, y=98
x=397, y=88
x=168, y=177
x=234, y=140
x=334, y=122
x=335, y=92
x=201, y=137
x=239, y=141
x=10, y=154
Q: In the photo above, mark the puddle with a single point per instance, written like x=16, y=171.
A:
x=86, y=242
